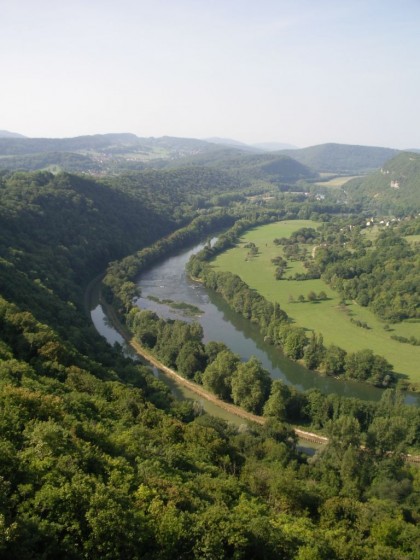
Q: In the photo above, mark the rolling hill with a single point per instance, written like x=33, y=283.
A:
x=273, y=168
x=345, y=159
x=394, y=189
x=99, y=153
x=8, y=134
x=117, y=153
x=274, y=146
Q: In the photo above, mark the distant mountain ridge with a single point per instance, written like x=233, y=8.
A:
x=273, y=167
x=116, y=152
x=24, y=146
x=274, y=146
x=342, y=158
x=111, y=142
x=231, y=143
x=96, y=153
x=8, y=134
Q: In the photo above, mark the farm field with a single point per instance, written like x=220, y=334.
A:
x=328, y=317
x=335, y=182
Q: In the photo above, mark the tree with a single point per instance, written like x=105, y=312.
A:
x=334, y=360
x=314, y=351
x=251, y=385
x=217, y=376
x=213, y=349
x=294, y=342
x=318, y=409
x=344, y=457
x=388, y=434
x=311, y=296
x=145, y=325
x=365, y=365
x=276, y=404
x=191, y=359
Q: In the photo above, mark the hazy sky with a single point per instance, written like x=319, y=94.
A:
x=298, y=71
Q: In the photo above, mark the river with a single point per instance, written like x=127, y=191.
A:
x=167, y=280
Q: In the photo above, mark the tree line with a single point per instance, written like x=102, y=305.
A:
x=97, y=458
x=279, y=330
x=382, y=275
x=179, y=345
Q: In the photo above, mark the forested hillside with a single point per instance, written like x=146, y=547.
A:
x=394, y=189
x=57, y=232
x=271, y=168
x=115, y=153
x=99, y=153
x=97, y=458
x=342, y=158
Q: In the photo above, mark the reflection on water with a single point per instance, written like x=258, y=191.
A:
x=168, y=280
x=105, y=328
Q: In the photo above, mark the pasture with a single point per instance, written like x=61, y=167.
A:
x=335, y=181
x=330, y=317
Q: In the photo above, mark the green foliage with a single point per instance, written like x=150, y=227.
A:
x=364, y=365
x=314, y=352
x=334, y=360
x=393, y=190
x=277, y=402
x=383, y=278
x=97, y=462
x=217, y=376
x=251, y=386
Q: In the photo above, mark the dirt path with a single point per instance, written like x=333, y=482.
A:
x=194, y=387
x=233, y=409
x=201, y=392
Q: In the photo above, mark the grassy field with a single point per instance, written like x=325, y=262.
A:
x=335, y=182
x=327, y=317
x=413, y=239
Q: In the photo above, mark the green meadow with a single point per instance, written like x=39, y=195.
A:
x=329, y=317
x=335, y=181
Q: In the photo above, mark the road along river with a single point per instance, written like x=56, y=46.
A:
x=188, y=389
x=168, y=281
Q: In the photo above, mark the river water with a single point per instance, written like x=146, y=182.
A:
x=168, y=280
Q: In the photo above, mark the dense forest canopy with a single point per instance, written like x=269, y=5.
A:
x=97, y=458
x=384, y=276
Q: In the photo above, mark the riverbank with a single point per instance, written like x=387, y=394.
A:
x=190, y=389
x=194, y=387
x=339, y=323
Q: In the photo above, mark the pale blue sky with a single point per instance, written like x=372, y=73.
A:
x=298, y=71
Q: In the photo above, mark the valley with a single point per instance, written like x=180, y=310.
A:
x=100, y=458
